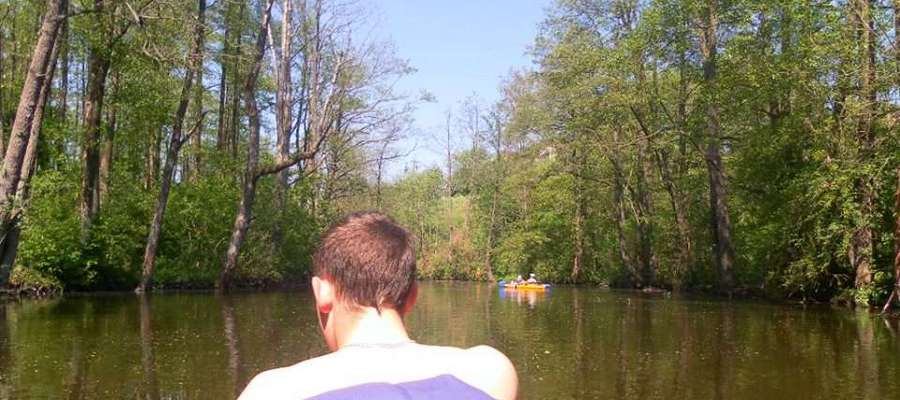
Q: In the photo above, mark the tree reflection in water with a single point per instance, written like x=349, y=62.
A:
x=5, y=355
x=867, y=364
x=232, y=338
x=77, y=364
x=149, y=381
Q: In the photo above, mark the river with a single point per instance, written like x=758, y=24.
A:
x=570, y=343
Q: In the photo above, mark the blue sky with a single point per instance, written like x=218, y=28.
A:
x=459, y=47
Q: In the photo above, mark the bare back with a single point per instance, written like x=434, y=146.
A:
x=481, y=367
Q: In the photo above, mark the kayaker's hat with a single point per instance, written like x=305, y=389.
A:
x=531, y=275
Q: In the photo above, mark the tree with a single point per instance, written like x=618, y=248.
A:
x=31, y=105
x=29, y=164
x=384, y=154
x=176, y=140
x=98, y=64
x=109, y=32
x=248, y=193
x=495, y=121
x=862, y=243
x=283, y=105
x=333, y=90
x=895, y=293
x=192, y=169
x=718, y=195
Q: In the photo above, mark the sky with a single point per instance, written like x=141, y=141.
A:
x=458, y=47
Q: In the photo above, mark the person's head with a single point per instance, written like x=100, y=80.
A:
x=364, y=261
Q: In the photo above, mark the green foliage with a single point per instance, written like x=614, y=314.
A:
x=197, y=225
x=30, y=281
x=194, y=238
x=620, y=98
x=51, y=238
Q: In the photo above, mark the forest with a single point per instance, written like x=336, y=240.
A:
x=722, y=146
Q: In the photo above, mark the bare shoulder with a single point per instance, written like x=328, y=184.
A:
x=489, y=370
x=265, y=385
x=283, y=383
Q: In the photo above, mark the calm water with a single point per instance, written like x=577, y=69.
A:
x=573, y=343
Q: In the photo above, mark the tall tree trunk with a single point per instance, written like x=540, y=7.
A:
x=314, y=47
x=719, y=216
x=644, y=209
x=619, y=201
x=175, y=142
x=862, y=244
x=63, y=100
x=679, y=210
x=644, y=219
x=151, y=160
x=221, y=135
x=449, y=197
x=721, y=222
x=497, y=178
x=193, y=170
x=248, y=192
x=578, y=257
x=29, y=103
x=14, y=60
x=234, y=135
x=896, y=7
x=82, y=94
x=301, y=122
x=641, y=192
x=106, y=150
x=671, y=170
x=2, y=103
x=379, y=175
x=10, y=244
x=29, y=165
x=622, y=241
x=492, y=236
x=283, y=102
x=895, y=294
x=98, y=66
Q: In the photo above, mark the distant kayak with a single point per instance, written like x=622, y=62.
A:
x=525, y=286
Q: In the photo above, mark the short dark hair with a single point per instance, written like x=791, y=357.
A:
x=369, y=258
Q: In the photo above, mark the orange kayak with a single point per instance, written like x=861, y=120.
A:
x=526, y=286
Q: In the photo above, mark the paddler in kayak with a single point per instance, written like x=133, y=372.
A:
x=532, y=279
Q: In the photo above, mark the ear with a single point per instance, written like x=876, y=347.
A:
x=410, y=299
x=323, y=291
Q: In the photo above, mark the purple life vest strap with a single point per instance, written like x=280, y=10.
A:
x=442, y=387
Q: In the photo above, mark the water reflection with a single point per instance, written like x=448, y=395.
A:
x=150, y=382
x=866, y=367
x=574, y=343
x=529, y=297
x=229, y=325
x=5, y=378
x=74, y=379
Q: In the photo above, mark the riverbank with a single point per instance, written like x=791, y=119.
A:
x=36, y=291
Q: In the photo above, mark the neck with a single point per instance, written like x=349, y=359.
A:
x=367, y=326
